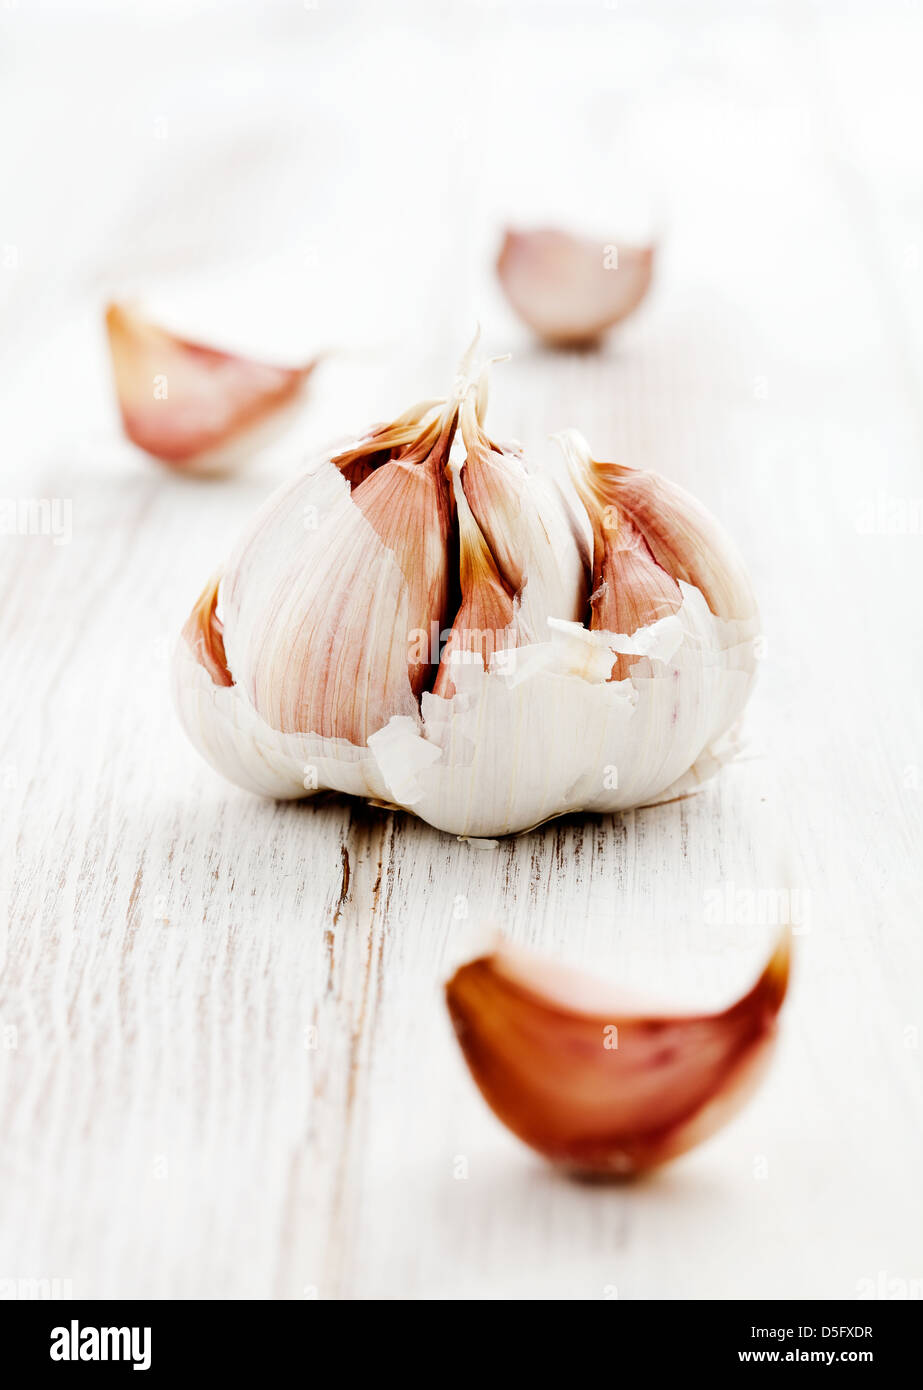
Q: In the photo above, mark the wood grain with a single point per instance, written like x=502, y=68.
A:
x=225, y=1065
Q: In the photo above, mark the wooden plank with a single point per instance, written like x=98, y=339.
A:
x=225, y=1066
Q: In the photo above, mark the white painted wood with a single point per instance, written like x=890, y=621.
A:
x=225, y=1067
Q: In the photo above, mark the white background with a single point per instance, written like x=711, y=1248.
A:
x=287, y=179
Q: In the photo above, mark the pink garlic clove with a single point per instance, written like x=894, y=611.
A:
x=340, y=640
x=193, y=407
x=569, y=289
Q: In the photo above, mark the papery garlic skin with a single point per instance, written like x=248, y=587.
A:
x=569, y=289
x=227, y=732
x=593, y=1087
x=196, y=409
x=532, y=708
x=545, y=732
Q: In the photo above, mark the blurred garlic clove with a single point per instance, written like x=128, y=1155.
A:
x=570, y=289
x=198, y=410
x=333, y=619
x=594, y=1088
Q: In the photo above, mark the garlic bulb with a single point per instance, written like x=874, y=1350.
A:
x=196, y=409
x=424, y=620
x=569, y=289
x=594, y=1088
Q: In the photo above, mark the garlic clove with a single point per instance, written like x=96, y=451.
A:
x=193, y=407
x=679, y=535
x=485, y=623
x=409, y=505
x=520, y=552
x=630, y=590
x=415, y=431
x=597, y=1089
x=534, y=540
x=333, y=596
x=569, y=289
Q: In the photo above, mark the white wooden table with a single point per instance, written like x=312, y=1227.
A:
x=225, y=1065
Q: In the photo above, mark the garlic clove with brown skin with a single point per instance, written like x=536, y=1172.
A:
x=196, y=409
x=415, y=430
x=630, y=589
x=594, y=1088
x=332, y=625
x=535, y=541
x=681, y=536
x=408, y=503
x=312, y=557
x=486, y=619
x=521, y=554
x=570, y=289
x=648, y=535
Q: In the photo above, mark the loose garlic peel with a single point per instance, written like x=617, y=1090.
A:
x=594, y=1088
x=411, y=621
x=196, y=409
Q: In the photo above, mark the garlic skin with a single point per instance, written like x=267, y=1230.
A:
x=597, y=1089
x=568, y=289
x=411, y=621
x=197, y=410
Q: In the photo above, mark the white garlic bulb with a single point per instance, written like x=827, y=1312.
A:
x=461, y=640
